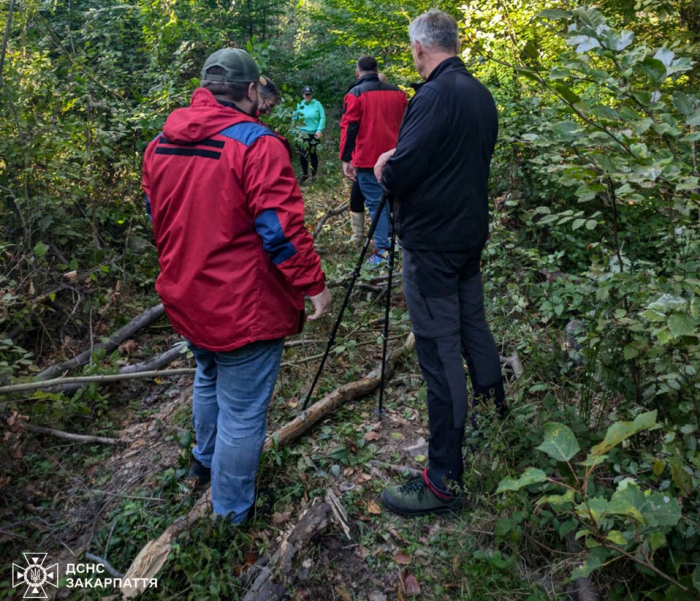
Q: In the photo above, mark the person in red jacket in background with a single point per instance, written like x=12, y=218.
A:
x=370, y=126
x=236, y=262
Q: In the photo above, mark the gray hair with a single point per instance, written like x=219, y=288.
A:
x=435, y=31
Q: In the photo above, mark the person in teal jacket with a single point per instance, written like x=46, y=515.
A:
x=310, y=120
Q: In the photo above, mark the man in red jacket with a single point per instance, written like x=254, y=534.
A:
x=236, y=262
x=370, y=126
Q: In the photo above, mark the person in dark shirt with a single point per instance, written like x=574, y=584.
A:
x=438, y=178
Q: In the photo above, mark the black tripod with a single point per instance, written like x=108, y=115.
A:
x=346, y=300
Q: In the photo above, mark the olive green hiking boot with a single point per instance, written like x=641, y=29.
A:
x=416, y=498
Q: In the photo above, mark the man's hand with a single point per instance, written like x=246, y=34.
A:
x=321, y=303
x=318, y=135
x=349, y=171
x=381, y=163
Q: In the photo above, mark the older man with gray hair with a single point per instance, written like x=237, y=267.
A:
x=438, y=178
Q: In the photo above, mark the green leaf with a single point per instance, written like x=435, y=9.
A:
x=650, y=315
x=591, y=224
x=616, y=537
x=554, y=14
x=696, y=578
x=557, y=501
x=680, y=325
x=578, y=223
x=631, y=351
x=655, y=70
x=530, y=476
x=662, y=510
x=620, y=431
x=567, y=527
x=657, y=540
x=682, y=479
x=41, y=249
x=628, y=501
x=595, y=509
x=503, y=527
x=559, y=442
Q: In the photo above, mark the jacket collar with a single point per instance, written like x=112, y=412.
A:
x=454, y=63
x=368, y=77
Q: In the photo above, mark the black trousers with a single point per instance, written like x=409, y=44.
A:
x=307, y=153
x=445, y=301
x=357, y=199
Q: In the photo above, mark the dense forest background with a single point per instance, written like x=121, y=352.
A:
x=591, y=278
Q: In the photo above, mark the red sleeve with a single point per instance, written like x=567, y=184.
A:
x=275, y=201
x=349, y=126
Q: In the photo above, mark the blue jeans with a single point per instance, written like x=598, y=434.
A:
x=229, y=413
x=372, y=192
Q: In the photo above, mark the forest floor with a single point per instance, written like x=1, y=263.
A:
x=68, y=499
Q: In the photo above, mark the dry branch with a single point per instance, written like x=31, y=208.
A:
x=145, y=319
x=153, y=556
x=321, y=222
x=73, y=437
x=161, y=373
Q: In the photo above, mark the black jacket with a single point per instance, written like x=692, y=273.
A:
x=438, y=176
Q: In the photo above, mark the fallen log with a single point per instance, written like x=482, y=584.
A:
x=138, y=323
x=275, y=573
x=153, y=556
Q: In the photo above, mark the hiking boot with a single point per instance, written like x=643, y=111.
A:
x=303, y=179
x=379, y=258
x=416, y=498
x=200, y=473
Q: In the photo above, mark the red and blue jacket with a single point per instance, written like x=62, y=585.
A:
x=372, y=113
x=228, y=218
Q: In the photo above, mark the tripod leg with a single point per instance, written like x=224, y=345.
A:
x=346, y=300
x=387, y=312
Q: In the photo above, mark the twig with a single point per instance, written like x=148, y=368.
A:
x=401, y=469
x=74, y=437
x=321, y=222
x=105, y=563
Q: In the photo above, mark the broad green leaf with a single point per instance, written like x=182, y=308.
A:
x=584, y=43
x=658, y=467
x=655, y=70
x=595, y=509
x=556, y=501
x=682, y=479
x=591, y=224
x=559, y=442
x=567, y=94
x=628, y=501
x=578, y=223
x=616, y=537
x=664, y=336
x=696, y=578
x=684, y=104
x=530, y=476
x=665, y=56
x=662, y=510
x=681, y=325
x=667, y=303
x=620, y=431
x=567, y=527
x=653, y=315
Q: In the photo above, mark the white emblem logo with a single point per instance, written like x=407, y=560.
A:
x=35, y=575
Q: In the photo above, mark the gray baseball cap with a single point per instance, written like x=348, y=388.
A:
x=239, y=67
